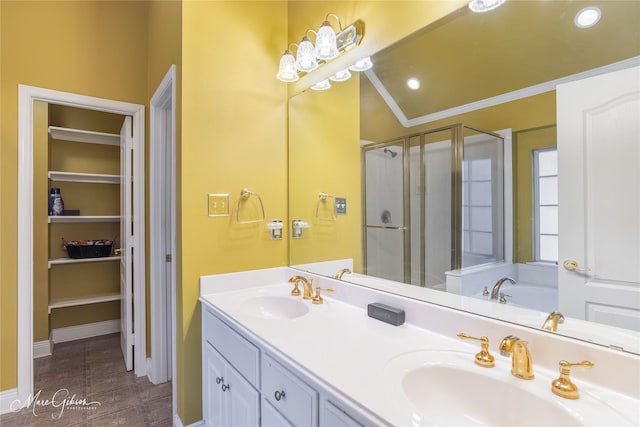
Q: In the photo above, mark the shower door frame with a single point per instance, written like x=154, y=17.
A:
x=406, y=217
x=457, y=157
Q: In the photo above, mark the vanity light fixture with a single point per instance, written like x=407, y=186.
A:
x=306, y=58
x=326, y=42
x=328, y=45
x=587, y=17
x=287, y=71
x=363, y=64
x=341, y=76
x=323, y=85
x=480, y=6
x=413, y=83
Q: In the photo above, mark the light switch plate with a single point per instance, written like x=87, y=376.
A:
x=218, y=204
x=341, y=206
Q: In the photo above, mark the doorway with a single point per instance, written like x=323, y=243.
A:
x=28, y=95
x=162, y=222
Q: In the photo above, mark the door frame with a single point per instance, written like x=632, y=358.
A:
x=27, y=95
x=162, y=125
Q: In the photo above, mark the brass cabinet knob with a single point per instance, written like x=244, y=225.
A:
x=563, y=386
x=483, y=358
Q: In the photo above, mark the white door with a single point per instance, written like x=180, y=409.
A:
x=599, y=198
x=126, y=248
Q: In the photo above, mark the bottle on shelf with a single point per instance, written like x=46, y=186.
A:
x=56, y=204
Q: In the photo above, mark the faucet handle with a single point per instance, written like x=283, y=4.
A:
x=506, y=345
x=317, y=299
x=563, y=386
x=503, y=298
x=483, y=358
x=296, y=290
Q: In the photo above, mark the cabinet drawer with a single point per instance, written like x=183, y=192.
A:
x=288, y=394
x=238, y=351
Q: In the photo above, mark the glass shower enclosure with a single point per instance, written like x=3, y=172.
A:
x=432, y=202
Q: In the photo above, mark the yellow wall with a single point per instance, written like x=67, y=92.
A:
x=93, y=48
x=323, y=159
x=234, y=135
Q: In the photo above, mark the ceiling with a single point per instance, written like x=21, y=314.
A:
x=467, y=57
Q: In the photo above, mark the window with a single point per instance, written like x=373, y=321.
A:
x=545, y=205
x=477, y=207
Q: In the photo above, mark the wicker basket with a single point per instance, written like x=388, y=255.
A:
x=88, y=248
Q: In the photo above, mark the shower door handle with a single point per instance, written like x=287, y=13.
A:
x=386, y=228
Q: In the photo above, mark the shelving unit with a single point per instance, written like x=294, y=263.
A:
x=84, y=218
x=64, y=283
x=73, y=302
x=86, y=136
x=60, y=261
x=93, y=178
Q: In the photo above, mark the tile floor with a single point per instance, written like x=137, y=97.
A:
x=92, y=369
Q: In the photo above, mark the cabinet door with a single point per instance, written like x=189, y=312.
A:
x=243, y=401
x=213, y=410
x=332, y=416
x=271, y=417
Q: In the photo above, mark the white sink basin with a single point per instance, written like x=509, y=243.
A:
x=274, y=307
x=447, y=388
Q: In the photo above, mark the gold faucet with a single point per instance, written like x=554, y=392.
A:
x=306, y=284
x=521, y=362
x=551, y=324
x=563, y=386
x=496, y=287
x=342, y=272
x=483, y=358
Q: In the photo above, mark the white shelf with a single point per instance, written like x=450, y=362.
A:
x=93, y=178
x=78, y=135
x=73, y=302
x=84, y=218
x=60, y=261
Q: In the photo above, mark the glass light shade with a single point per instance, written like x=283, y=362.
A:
x=323, y=85
x=341, y=76
x=306, y=57
x=480, y=6
x=287, y=70
x=326, y=45
x=362, y=65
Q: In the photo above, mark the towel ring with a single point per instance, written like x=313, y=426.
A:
x=245, y=194
x=322, y=197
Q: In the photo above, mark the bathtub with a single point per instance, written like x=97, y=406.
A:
x=541, y=298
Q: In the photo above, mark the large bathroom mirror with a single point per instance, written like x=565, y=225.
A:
x=371, y=165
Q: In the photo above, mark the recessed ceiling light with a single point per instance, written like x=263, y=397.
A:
x=480, y=6
x=587, y=17
x=413, y=83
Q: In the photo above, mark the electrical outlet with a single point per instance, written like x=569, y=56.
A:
x=218, y=204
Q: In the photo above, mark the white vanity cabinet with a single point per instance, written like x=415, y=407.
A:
x=244, y=384
x=231, y=399
x=230, y=365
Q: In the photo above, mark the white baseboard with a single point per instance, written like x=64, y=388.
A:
x=6, y=398
x=177, y=422
x=87, y=330
x=42, y=348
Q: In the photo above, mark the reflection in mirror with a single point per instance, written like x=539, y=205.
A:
x=414, y=219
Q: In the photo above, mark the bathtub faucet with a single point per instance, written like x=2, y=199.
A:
x=496, y=287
